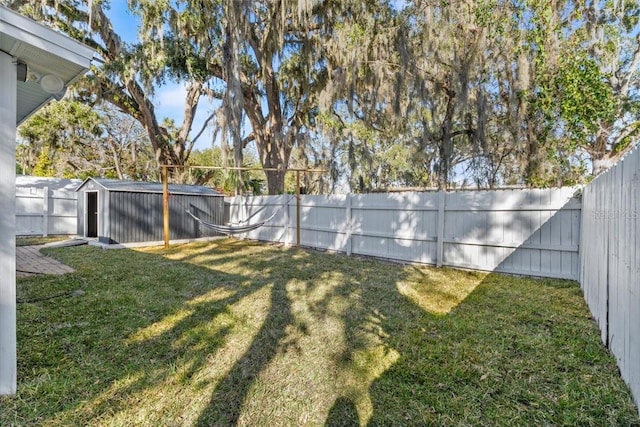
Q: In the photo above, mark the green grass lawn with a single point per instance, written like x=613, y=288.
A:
x=242, y=333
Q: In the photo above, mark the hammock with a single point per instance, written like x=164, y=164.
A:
x=234, y=229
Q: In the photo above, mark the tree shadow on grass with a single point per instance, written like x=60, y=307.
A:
x=343, y=413
x=491, y=349
x=517, y=351
x=149, y=322
x=226, y=403
x=323, y=337
x=405, y=347
x=250, y=334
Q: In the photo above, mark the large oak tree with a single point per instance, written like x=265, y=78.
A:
x=122, y=75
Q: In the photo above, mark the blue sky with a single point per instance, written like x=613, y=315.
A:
x=168, y=99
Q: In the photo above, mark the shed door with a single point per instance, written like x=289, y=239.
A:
x=92, y=214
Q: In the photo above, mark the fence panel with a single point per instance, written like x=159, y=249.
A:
x=42, y=211
x=400, y=226
x=63, y=211
x=323, y=222
x=29, y=211
x=253, y=209
x=610, y=262
x=533, y=232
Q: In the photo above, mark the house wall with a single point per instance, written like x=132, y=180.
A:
x=530, y=232
x=48, y=51
x=8, y=101
x=610, y=262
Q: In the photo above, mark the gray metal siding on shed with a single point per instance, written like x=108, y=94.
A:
x=80, y=217
x=138, y=217
x=131, y=212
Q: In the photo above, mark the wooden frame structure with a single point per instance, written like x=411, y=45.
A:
x=165, y=190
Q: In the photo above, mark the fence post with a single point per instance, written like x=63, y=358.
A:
x=45, y=211
x=297, y=208
x=285, y=207
x=440, y=229
x=349, y=228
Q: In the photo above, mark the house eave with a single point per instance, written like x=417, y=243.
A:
x=44, y=51
x=25, y=30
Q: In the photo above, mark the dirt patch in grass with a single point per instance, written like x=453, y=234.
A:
x=38, y=240
x=232, y=332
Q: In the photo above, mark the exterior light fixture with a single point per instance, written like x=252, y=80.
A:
x=21, y=71
x=51, y=83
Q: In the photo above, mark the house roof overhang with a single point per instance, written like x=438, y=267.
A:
x=44, y=51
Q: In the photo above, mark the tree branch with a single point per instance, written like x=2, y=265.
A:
x=633, y=67
x=247, y=139
x=195, y=138
x=190, y=108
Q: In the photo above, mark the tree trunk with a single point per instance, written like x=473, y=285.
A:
x=116, y=157
x=446, y=139
x=275, y=181
x=274, y=148
x=275, y=155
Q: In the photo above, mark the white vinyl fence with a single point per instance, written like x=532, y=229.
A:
x=43, y=211
x=610, y=262
x=529, y=232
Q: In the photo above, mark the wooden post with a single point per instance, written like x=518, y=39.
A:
x=297, y=208
x=165, y=204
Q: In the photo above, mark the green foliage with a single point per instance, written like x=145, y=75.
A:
x=71, y=139
x=379, y=93
x=61, y=124
x=250, y=183
x=485, y=12
x=224, y=179
x=354, y=34
x=331, y=122
x=628, y=141
x=44, y=165
x=585, y=99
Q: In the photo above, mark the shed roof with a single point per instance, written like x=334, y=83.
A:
x=44, y=51
x=147, y=187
